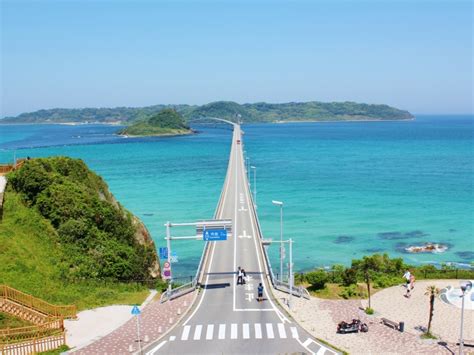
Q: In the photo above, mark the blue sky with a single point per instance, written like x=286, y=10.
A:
x=414, y=55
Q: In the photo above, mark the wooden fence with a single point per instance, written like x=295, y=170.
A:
x=37, y=304
x=34, y=346
x=4, y=169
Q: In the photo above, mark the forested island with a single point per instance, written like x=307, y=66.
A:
x=66, y=239
x=247, y=113
x=167, y=122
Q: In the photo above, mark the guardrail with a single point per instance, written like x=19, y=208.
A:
x=24, y=299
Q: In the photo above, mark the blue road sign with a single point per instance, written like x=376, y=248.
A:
x=163, y=253
x=214, y=234
x=135, y=310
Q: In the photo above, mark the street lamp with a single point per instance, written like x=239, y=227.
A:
x=247, y=160
x=465, y=287
x=254, y=185
x=279, y=203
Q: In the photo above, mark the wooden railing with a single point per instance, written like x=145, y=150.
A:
x=37, y=304
x=35, y=345
x=9, y=167
x=22, y=334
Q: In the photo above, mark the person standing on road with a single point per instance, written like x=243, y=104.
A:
x=407, y=276
x=240, y=274
x=260, y=292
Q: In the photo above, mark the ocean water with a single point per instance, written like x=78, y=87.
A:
x=349, y=188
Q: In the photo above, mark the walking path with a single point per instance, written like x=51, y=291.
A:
x=155, y=320
x=320, y=317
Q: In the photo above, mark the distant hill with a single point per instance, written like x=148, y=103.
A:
x=164, y=123
x=256, y=112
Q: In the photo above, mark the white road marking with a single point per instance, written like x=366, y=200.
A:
x=156, y=348
x=172, y=338
x=281, y=330
x=185, y=334
x=249, y=297
x=244, y=235
x=221, y=331
x=233, y=331
x=307, y=342
x=258, y=331
x=270, y=334
x=321, y=350
x=197, y=332
x=245, y=331
x=294, y=332
x=254, y=310
x=210, y=331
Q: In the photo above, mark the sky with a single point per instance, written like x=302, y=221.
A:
x=410, y=54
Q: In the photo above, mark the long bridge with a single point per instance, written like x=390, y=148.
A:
x=227, y=318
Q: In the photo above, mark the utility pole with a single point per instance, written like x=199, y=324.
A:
x=168, y=244
x=291, y=272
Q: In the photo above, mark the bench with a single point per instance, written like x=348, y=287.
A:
x=390, y=323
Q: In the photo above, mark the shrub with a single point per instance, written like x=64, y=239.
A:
x=349, y=291
x=337, y=273
x=349, y=277
x=317, y=279
x=383, y=281
x=369, y=310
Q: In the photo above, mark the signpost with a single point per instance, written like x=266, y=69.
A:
x=167, y=270
x=136, y=312
x=163, y=253
x=211, y=235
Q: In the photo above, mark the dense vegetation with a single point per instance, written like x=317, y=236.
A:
x=378, y=271
x=65, y=239
x=165, y=122
x=257, y=112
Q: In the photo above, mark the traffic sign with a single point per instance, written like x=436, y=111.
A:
x=135, y=310
x=166, y=270
x=174, y=257
x=214, y=234
x=163, y=253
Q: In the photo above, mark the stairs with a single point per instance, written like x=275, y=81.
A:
x=23, y=312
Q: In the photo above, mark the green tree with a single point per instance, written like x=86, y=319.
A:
x=317, y=279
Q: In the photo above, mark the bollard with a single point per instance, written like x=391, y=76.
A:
x=171, y=320
x=401, y=327
x=185, y=304
x=179, y=311
x=130, y=348
x=160, y=330
x=146, y=339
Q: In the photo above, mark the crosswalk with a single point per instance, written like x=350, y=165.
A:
x=235, y=331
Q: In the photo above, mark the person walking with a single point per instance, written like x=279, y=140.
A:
x=406, y=276
x=240, y=274
x=260, y=292
x=412, y=282
x=244, y=276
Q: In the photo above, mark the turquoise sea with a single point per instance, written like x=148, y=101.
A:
x=349, y=188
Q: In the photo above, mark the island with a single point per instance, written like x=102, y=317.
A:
x=167, y=122
x=229, y=110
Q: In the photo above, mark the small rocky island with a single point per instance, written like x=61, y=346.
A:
x=167, y=122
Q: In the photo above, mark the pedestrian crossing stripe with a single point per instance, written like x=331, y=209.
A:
x=242, y=331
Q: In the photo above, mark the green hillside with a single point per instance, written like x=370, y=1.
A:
x=255, y=112
x=165, y=123
x=63, y=234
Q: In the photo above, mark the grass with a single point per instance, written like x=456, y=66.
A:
x=427, y=336
x=57, y=351
x=9, y=321
x=333, y=291
x=30, y=259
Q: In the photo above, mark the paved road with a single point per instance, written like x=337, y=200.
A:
x=227, y=318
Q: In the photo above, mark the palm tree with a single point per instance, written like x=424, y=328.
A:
x=431, y=291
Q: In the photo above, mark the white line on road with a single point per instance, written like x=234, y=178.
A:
x=185, y=334
x=258, y=331
x=245, y=331
x=156, y=348
x=172, y=338
x=307, y=342
x=233, y=331
x=281, y=330
x=294, y=332
x=197, y=332
x=270, y=331
x=321, y=350
x=221, y=331
x=210, y=332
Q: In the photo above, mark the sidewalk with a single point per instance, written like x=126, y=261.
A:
x=156, y=318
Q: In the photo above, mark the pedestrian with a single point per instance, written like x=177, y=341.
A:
x=260, y=292
x=412, y=281
x=240, y=275
x=244, y=276
x=406, y=276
